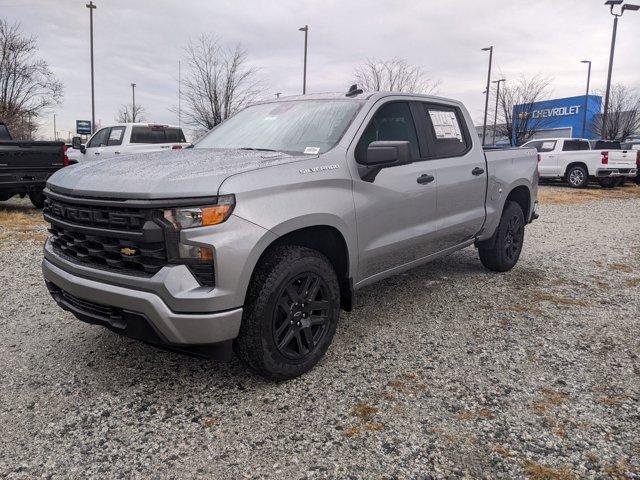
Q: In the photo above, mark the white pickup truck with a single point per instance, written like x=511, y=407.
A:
x=574, y=160
x=128, y=138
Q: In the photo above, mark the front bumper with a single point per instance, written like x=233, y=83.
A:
x=125, y=310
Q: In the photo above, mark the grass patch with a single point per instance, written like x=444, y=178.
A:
x=17, y=225
x=620, y=267
x=556, y=300
x=364, y=411
x=537, y=471
x=569, y=196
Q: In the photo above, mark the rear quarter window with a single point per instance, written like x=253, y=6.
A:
x=446, y=133
x=156, y=134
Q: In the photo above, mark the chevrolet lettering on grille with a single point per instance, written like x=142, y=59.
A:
x=99, y=217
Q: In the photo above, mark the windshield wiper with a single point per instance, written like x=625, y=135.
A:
x=258, y=149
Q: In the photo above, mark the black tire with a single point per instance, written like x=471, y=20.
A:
x=577, y=176
x=501, y=252
x=607, y=182
x=5, y=196
x=277, y=308
x=37, y=198
x=619, y=182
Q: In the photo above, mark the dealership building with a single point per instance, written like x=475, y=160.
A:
x=560, y=117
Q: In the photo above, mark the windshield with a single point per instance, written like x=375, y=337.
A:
x=304, y=126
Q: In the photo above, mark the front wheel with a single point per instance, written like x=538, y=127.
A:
x=291, y=313
x=577, y=176
x=501, y=252
x=37, y=198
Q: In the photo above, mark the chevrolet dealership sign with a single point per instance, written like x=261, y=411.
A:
x=561, y=116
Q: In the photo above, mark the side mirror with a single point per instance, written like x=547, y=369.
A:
x=384, y=154
x=76, y=142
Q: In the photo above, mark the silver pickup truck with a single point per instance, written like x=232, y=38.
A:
x=258, y=235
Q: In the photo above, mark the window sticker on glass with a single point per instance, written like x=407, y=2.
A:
x=548, y=145
x=312, y=150
x=116, y=134
x=445, y=124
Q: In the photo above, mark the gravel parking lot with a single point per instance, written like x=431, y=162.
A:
x=446, y=371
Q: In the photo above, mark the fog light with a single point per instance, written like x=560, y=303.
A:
x=195, y=252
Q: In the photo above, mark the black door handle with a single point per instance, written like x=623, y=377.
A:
x=424, y=179
x=477, y=171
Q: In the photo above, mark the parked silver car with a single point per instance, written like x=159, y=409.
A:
x=260, y=233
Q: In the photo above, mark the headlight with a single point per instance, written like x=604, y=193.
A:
x=190, y=217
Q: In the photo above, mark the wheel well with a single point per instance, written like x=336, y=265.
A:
x=522, y=197
x=330, y=242
x=573, y=164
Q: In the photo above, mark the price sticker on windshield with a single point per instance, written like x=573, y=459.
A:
x=312, y=150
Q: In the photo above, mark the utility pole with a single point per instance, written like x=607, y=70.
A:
x=495, y=116
x=55, y=131
x=586, y=98
x=91, y=8
x=611, y=4
x=179, y=94
x=133, y=103
x=486, y=98
x=305, y=29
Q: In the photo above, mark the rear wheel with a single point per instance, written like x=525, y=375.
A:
x=291, y=313
x=37, y=198
x=577, y=176
x=620, y=181
x=501, y=252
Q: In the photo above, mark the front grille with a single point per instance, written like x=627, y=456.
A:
x=109, y=252
x=133, y=240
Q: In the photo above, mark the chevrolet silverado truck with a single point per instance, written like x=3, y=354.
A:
x=576, y=161
x=126, y=138
x=25, y=166
x=255, y=238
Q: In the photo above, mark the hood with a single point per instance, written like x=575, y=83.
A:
x=192, y=172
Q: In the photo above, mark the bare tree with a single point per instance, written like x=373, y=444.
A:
x=126, y=114
x=623, y=118
x=517, y=97
x=27, y=85
x=218, y=82
x=395, y=75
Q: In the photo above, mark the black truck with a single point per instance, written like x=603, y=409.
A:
x=25, y=166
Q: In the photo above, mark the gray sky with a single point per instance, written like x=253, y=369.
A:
x=141, y=41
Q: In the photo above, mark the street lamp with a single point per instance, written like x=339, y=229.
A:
x=278, y=95
x=91, y=8
x=133, y=103
x=625, y=7
x=495, y=116
x=305, y=29
x=586, y=98
x=486, y=98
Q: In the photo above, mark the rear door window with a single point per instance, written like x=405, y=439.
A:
x=574, y=145
x=115, y=136
x=447, y=133
x=156, y=134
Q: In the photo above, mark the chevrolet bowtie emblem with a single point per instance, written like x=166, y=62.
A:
x=127, y=251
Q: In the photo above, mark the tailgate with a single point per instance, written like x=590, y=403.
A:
x=31, y=156
x=623, y=159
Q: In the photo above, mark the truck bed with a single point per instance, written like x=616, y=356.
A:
x=26, y=165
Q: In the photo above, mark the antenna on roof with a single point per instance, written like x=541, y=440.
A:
x=354, y=90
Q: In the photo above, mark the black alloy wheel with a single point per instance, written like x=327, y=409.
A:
x=301, y=316
x=514, y=236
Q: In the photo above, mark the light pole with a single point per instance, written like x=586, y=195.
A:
x=486, y=98
x=278, y=95
x=91, y=8
x=133, y=103
x=626, y=6
x=55, y=131
x=305, y=29
x=495, y=115
x=586, y=98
